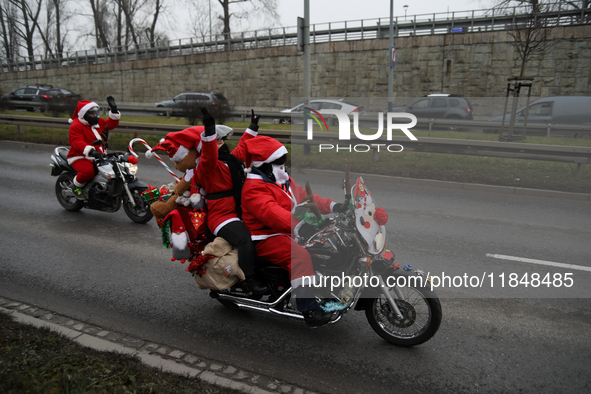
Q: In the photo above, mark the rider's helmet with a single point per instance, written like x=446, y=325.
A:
x=223, y=131
x=92, y=115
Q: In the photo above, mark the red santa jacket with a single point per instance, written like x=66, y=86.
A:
x=82, y=136
x=267, y=209
x=214, y=176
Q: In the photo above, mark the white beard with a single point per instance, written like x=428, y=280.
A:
x=281, y=176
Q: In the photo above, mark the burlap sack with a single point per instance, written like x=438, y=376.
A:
x=223, y=271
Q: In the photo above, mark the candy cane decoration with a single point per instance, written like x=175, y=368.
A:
x=155, y=155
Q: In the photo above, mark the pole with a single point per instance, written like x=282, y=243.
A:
x=306, y=67
x=391, y=70
x=307, y=50
x=209, y=20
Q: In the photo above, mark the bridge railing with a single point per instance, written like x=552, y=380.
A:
x=422, y=24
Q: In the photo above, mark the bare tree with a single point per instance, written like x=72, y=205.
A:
x=530, y=29
x=10, y=38
x=266, y=8
x=27, y=22
x=100, y=17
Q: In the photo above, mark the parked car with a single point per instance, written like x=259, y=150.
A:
x=184, y=101
x=574, y=110
x=52, y=97
x=439, y=106
x=319, y=105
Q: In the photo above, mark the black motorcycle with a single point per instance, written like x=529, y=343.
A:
x=115, y=184
x=350, y=256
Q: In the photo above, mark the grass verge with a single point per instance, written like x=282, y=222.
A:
x=445, y=167
x=36, y=360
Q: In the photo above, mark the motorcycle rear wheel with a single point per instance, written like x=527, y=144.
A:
x=421, y=311
x=140, y=213
x=64, y=186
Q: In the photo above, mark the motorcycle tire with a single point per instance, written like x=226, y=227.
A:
x=140, y=213
x=421, y=311
x=62, y=186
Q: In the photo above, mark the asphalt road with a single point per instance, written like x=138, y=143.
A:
x=104, y=269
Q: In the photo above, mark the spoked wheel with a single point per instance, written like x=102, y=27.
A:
x=64, y=192
x=421, y=316
x=140, y=213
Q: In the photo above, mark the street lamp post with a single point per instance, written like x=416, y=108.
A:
x=391, y=69
x=405, y=8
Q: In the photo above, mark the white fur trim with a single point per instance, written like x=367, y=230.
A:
x=208, y=138
x=265, y=236
x=84, y=109
x=74, y=158
x=199, y=147
x=218, y=228
x=76, y=183
x=70, y=121
x=252, y=132
x=180, y=240
x=274, y=156
x=114, y=116
x=87, y=149
x=180, y=154
x=332, y=204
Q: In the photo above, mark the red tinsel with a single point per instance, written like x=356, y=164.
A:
x=198, y=262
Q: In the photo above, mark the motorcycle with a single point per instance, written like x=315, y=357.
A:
x=114, y=184
x=398, y=302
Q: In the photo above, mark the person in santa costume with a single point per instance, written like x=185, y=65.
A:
x=220, y=173
x=86, y=128
x=269, y=199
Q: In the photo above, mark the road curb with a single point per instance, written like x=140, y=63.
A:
x=151, y=354
x=394, y=180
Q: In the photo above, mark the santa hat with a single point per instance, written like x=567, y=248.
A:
x=178, y=144
x=263, y=149
x=81, y=109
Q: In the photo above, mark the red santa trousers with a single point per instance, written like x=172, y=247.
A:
x=281, y=250
x=85, y=170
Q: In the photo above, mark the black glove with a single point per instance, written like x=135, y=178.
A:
x=254, y=121
x=306, y=231
x=340, y=207
x=208, y=122
x=95, y=153
x=112, y=104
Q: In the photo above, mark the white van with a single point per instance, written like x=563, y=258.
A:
x=572, y=110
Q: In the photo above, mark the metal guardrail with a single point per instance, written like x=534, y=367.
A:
x=539, y=129
x=421, y=24
x=513, y=150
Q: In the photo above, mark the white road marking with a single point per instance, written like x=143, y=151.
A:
x=541, y=262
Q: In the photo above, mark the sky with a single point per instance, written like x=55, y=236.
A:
x=344, y=10
x=184, y=15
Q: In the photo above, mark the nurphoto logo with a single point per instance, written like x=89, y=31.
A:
x=345, y=130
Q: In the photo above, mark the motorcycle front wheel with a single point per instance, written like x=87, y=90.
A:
x=140, y=213
x=64, y=194
x=421, y=316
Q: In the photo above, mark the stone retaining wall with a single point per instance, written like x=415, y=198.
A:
x=470, y=64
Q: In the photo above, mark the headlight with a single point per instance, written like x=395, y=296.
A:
x=132, y=168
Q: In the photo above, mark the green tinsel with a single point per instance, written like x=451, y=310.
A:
x=165, y=232
x=311, y=219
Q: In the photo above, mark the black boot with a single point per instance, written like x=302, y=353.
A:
x=255, y=286
x=316, y=317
